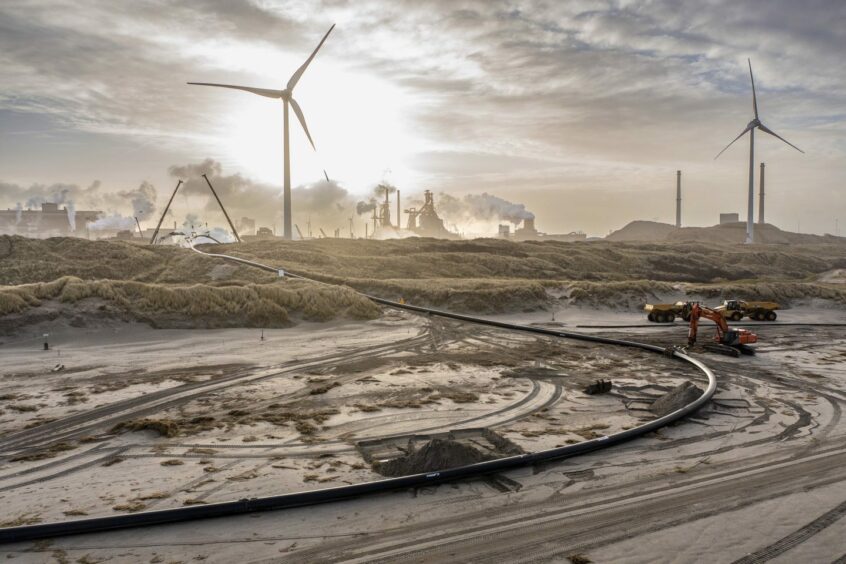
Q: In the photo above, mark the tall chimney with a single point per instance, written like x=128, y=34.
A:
x=399, y=217
x=678, y=199
x=761, y=198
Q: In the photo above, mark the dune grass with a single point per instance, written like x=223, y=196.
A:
x=249, y=305
x=174, y=287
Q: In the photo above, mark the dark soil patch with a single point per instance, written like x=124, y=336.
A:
x=675, y=399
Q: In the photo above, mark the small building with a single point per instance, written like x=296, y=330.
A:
x=729, y=218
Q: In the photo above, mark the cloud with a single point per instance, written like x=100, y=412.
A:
x=567, y=96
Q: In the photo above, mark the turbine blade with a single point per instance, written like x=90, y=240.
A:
x=260, y=91
x=748, y=127
x=301, y=117
x=754, y=97
x=766, y=129
x=295, y=78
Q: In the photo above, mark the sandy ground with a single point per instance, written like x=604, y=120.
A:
x=253, y=418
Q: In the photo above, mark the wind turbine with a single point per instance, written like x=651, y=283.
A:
x=287, y=97
x=750, y=127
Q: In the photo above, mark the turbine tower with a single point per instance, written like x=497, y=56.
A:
x=287, y=98
x=750, y=127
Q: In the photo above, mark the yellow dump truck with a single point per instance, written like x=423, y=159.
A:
x=667, y=313
x=738, y=309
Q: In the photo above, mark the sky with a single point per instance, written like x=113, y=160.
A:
x=582, y=111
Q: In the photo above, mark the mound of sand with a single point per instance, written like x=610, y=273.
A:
x=728, y=233
x=434, y=455
x=642, y=231
x=678, y=397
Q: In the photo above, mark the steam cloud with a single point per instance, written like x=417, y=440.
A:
x=481, y=208
x=325, y=203
x=113, y=222
x=362, y=208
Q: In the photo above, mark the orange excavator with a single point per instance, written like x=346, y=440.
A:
x=726, y=340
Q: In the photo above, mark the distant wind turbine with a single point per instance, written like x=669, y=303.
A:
x=287, y=97
x=755, y=123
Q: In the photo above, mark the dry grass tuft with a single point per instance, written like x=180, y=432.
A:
x=172, y=462
x=25, y=519
x=164, y=427
x=130, y=506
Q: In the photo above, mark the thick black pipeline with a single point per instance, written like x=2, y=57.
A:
x=326, y=495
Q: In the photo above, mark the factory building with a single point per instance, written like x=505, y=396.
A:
x=426, y=222
x=49, y=221
x=528, y=232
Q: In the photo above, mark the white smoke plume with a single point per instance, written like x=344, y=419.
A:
x=71, y=209
x=480, y=209
x=142, y=199
x=113, y=222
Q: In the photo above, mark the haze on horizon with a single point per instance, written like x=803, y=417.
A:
x=582, y=111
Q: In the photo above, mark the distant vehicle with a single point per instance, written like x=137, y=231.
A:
x=738, y=309
x=667, y=313
x=734, y=310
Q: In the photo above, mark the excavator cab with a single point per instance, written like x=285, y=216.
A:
x=735, y=337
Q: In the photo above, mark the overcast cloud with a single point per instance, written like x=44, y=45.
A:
x=581, y=110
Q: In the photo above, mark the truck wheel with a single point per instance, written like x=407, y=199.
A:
x=671, y=317
x=651, y=317
x=736, y=316
x=771, y=316
x=686, y=318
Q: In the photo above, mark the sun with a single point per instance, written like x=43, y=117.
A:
x=360, y=125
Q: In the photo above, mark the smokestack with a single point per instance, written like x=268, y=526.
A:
x=761, y=198
x=678, y=199
x=398, y=209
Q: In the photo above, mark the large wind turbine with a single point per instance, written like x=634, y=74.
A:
x=755, y=123
x=287, y=98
